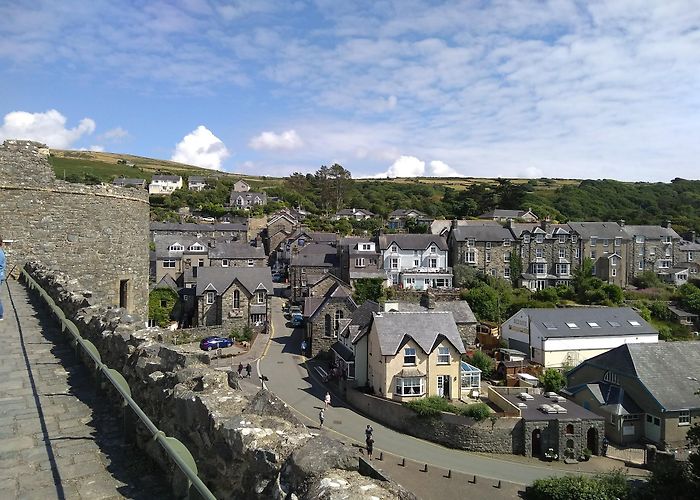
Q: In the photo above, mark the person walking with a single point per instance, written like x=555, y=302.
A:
x=321, y=417
x=247, y=370
x=240, y=369
x=327, y=400
x=303, y=347
x=368, y=432
x=2, y=277
x=370, y=446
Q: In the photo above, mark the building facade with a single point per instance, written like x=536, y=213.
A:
x=415, y=261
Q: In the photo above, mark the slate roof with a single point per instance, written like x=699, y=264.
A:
x=481, y=231
x=198, y=228
x=166, y=178
x=425, y=328
x=609, y=230
x=354, y=211
x=664, y=369
x=412, y=241
x=316, y=255
x=550, y=230
x=235, y=250
x=651, y=232
x=248, y=196
x=685, y=246
x=403, y=212
x=361, y=319
x=557, y=320
x=165, y=282
x=337, y=291
x=439, y=226
x=461, y=312
x=163, y=242
x=503, y=214
x=124, y=181
x=612, y=398
x=196, y=178
x=221, y=278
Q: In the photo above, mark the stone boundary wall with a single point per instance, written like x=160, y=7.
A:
x=245, y=446
x=504, y=435
x=96, y=234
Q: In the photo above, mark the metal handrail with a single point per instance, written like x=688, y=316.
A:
x=173, y=447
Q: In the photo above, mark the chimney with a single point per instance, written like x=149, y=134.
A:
x=454, y=223
x=545, y=223
x=692, y=236
x=621, y=223
x=354, y=210
x=509, y=223
x=427, y=300
x=666, y=224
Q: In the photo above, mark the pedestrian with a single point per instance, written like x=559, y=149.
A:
x=368, y=432
x=303, y=347
x=2, y=276
x=327, y=399
x=370, y=446
x=321, y=418
x=247, y=370
x=240, y=369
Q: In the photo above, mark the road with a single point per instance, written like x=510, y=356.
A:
x=284, y=366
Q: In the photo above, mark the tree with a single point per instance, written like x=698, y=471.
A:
x=162, y=304
x=369, y=289
x=483, y=362
x=516, y=267
x=485, y=302
x=552, y=380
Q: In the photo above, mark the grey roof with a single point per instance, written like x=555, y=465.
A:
x=685, y=246
x=311, y=305
x=549, y=230
x=354, y=241
x=403, y=212
x=123, y=181
x=235, y=250
x=425, y=328
x=166, y=282
x=337, y=291
x=552, y=323
x=198, y=228
x=322, y=237
x=611, y=397
x=195, y=178
x=221, y=278
x=362, y=319
x=503, y=214
x=461, y=312
x=353, y=211
x=651, y=232
x=681, y=313
x=316, y=255
x=438, y=226
x=166, y=178
x=163, y=242
x=532, y=412
x=412, y=241
x=663, y=368
x=247, y=195
x=481, y=231
x=609, y=230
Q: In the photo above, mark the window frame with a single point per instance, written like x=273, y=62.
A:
x=407, y=356
x=683, y=417
x=443, y=351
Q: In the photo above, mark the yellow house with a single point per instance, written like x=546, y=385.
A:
x=414, y=354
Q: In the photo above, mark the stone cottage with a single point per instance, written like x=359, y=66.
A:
x=326, y=316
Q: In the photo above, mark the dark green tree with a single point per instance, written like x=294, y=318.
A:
x=552, y=380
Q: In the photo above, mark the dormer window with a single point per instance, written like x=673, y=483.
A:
x=506, y=242
x=210, y=296
x=471, y=242
x=562, y=238
x=409, y=356
x=196, y=247
x=176, y=247
x=394, y=249
x=526, y=238
x=432, y=248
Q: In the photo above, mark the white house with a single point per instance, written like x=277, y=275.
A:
x=568, y=336
x=415, y=261
x=164, y=184
x=196, y=183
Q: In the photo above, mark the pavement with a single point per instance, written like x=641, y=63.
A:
x=59, y=437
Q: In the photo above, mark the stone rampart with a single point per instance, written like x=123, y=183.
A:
x=246, y=447
x=98, y=235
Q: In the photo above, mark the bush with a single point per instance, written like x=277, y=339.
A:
x=430, y=406
x=243, y=335
x=648, y=279
x=478, y=411
x=483, y=362
x=548, y=294
x=608, y=486
x=552, y=380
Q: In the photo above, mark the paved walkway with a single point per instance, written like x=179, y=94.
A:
x=59, y=438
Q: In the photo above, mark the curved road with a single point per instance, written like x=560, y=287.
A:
x=289, y=380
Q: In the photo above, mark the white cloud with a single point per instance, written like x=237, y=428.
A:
x=49, y=128
x=441, y=169
x=532, y=173
x=201, y=148
x=95, y=147
x=285, y=141
x=405, y=166
x=115, y=134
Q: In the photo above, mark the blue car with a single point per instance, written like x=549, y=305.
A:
x=211, y=343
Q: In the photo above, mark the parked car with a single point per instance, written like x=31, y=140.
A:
x=211, y=343
x=297, y=319
x=277, y=277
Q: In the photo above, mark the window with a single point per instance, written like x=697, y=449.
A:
x=365, y=246
x=613, y=272
x=684, y=417
x=593, y=324
x=493, y=272
x=471, y=242
x=260, y=296
x=210, y=297
x=569, y=428
x=351, y=370
x=667, y=253
x=648, y=418
x=410, y=386
x=432, y=249
x=201, y=263
x=539, y=238
x=433, y=263
x=506, y=257
x=163, y=303
x=593, y=255
x=562, y=239
x=169, y=263
x=409, y=356
x=549, y=325
x=573, y=238
x=666, y=239
x=338, y=316
x=573, y=326
x=360, y=262
x=606, y=242
x=470, y=257
x=539, y=253
x=526, y=238
x=634, y=322
x=618, y=241
x=640, y=266
x=488, y=256
x=394, y=249
x=577, y=253
x=594, y=241
x=690, y=256
x=394, y=263
x=613, y=261
x=541, y=268
x=488, y=245
x=416, y=262
x=176, y=247
x=328, y=323
x=196, y=247
x=506, y=272
x=639, y=239
x=251, y=263
x=562, y=269
x=506, y=242
x=562, y=253
x=614, y=324
x=236, y=299
x=443, y=357
x=664, y=264
x=224, y=263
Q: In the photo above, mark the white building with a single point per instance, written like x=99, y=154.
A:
x=164, y=184
x=196, y=183
x=415, y=261
x=567, y=336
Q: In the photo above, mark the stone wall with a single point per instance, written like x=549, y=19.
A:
x=96, y=234
x=503, y=435
x=245, y=446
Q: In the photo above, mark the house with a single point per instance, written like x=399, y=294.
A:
x=233, y=297
x=607, y=245
x=224, y=253
x=350, y=351
x=280, y=226
x=247, y=199
x=687, y=256
x=196, y=183
x=484, y=245
x=176, y=253
x=414, y=354
x=241, y=186
x=132, y=183
x=645, y=392
x=359, y=258
x=397, y=219
x=548, y=253
x=415, y=261
x=502, y=215
x=299, y=239
x=441, y=227
x=556, y=338
x=324, y=317
x=226, y=230
x=652, y=249
x=309, y=265
x=164, y=184
x=683, y=317
x=353, y=213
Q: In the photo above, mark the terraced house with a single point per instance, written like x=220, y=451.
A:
x=607, y=244
x=687, y=255
x=652, y=249
x=484, y=245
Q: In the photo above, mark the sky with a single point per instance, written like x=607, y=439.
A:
x=568, y=89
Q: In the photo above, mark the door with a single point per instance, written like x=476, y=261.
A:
x=443, y=386
x=592, y=440
x=124, y=293
x=541, y=284
x=536, y=443
x=652, y=428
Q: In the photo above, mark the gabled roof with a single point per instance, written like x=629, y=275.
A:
x=337, y=291
x=424, y=328
x=686, y=246
x=198, y=228
x=611, y=397
x=609, y=230
x=124, y=181
x=235, y=250
x=164, y=241
x=670, y=371
x=651, y=232
x=461, y=312
x=316, y=255
x=500, y=213
x=354, y=211
x=412, y=241
x=166, y=178
x=196, y=178
x=221, y=278
x=588, y=321
x=403, y=212
x=166, y=282
x=361, y=320
x=481, y=231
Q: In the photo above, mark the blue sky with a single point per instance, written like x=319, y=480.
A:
x=590, y=89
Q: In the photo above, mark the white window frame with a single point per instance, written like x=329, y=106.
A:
x=506, y=242
x=443, y=355
x=470, y=257
x=360, y=262
x=209, y=297
x=690, y=256
x=224, y=262
x=488, y=245
x=433, y=263
x=251, y=263
x=526, y=238
x=394, y=263
x=506, y=257
x=196, y=247
x=640, y=265
x=684, y=417
x=613, y=272
x=562, y=253
x=506, y=272
x=169, y=263
x=410, y=386
x=488, y=257
x=539, y=238
x=407, y=356
x=639, y=239
x=577, y=252
x=618, y=241
x=539, y=253
x=176, y=247
x=562, y=239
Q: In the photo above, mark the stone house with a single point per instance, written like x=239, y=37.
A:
x=607, y=244
x=132, y=183
x=414, y=354
x=301, y=238
x=233, y=297
x=645, y=392
x=353, y=213
x=502, y=215
x=196, y=183
x=247, y=199
x=651, y=249
x=236, y=254
x=484, y=245
x=175, y=254
x=415, y=261
x=229, y=230
x=309, y=265
x=164, y=184
x=279, y=227
x=687, y=255
x=548, y=252
x=350, y=351
x=324, y=317
x=241, y=186
x=359, y=258
x=397, y=219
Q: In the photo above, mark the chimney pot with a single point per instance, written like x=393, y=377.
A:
x=621, y=222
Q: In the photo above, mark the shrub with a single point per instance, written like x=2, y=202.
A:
x=430, y=406
x=552, y=380
x=483, y=362
x=478, y=411
x=608, y=486
x=243, y=335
